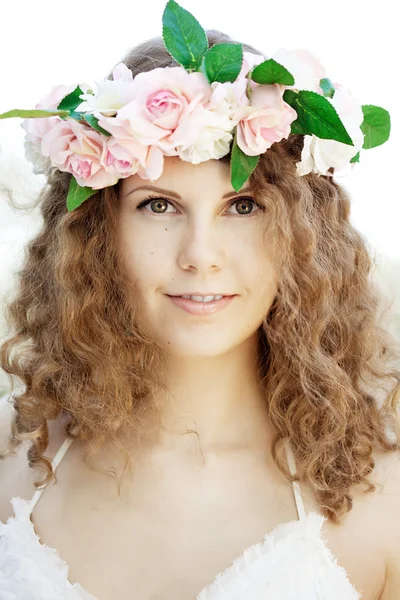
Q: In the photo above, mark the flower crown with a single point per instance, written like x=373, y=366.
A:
x=220, y=99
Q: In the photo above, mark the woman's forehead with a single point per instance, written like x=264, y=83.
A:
x=186, y=179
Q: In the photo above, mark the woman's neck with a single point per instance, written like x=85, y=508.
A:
x=219, y=397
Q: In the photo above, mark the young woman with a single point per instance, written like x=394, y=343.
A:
x=252, y=438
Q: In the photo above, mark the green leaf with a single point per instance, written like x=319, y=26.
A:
x=223, y=62
x=290, y=97
x=271, y=72
x=242, y=166
x=327, y=87
x=71, y=101
x=356, y=158
x=33, y=113
x=317, y=116
x=375, y=127
x=94, y=124
x=183, y=36
x=296, y=128
x=77, y=194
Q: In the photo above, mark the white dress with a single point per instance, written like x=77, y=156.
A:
x=292, y=562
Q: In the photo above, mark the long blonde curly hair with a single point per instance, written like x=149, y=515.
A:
x=79, y=350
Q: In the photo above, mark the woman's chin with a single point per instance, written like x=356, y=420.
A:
x=197, y=348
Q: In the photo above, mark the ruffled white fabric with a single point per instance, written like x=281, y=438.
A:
x=291, y=563
x=30, y=570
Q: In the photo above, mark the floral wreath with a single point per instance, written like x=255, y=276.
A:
x=219, y=100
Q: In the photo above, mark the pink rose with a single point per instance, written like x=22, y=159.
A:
x=164, y=99
x=127, y=157
x=266, y=121
x=120, y=157
x=152, y=166
x=78, y=149
x=36, y=128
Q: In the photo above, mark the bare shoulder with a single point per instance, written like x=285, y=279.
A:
x=16, y=476
x=387, y=496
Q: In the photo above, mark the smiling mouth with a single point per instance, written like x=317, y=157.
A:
x=201, y=308
x=201, y=297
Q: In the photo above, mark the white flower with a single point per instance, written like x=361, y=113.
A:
x=228, y=98
x=213, y=140
x=319, y=155
x=110, y=95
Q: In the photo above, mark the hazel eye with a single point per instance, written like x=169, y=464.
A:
x=247, y=205
x=159, y=204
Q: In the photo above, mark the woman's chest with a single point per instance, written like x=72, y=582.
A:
x=166, y=552
x=176, y=555
x=170, y=538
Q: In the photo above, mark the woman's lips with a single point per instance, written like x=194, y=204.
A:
x=201, y=308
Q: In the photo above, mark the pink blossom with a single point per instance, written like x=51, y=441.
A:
x=120, y=157
x=266, y=121
x=128, y=157
x=36, y=128
x=78, y=149
x=153, y=165
x=165, y=106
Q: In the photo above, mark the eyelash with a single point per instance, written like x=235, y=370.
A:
x=147, y=201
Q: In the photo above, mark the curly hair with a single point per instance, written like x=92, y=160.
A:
x=79, y=348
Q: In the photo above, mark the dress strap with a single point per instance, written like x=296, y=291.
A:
x=56, y=461
x=296, y=485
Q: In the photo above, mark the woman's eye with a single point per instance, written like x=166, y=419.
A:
x=246, y=205
x=159, y=205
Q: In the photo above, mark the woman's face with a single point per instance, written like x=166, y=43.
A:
x=196, y=235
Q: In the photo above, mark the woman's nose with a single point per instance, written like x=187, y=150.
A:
x=202, y=247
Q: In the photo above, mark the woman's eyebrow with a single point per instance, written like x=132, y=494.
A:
x=177, y=196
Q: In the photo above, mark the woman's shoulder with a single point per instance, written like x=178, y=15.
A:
x=386, y=478
x=16, y=476
x=383, y=511
x=388, y=505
